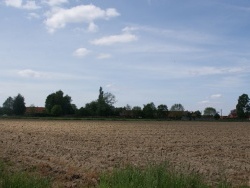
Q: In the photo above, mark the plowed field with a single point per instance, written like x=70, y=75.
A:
x=77, y=151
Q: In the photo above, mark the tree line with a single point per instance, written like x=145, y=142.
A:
x=58, y=104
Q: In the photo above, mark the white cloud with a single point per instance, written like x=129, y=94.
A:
x=14, y=3
x=204, y=102
x=215, y=96
x=28, y=73
x=215, y=70
x=59, y=18
x=92, y=27
x=109, y=40
x=129, y=29
x=33, y=16
x=81, y=52
x=111, y=12
x=56, y=2
x=28, y=5
x=103, y=56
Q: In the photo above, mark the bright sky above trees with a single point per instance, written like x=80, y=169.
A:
x=192, y=52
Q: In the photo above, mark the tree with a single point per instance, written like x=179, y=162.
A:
x=109, y=98
x=209, y=111
x=57, y=98
x=162, y=111
x=177, y=107
x=19, y=105
x=217, y=116
x=91, y=108
x=8, y=106
x=82, y=112
x=149, y=110
x=56, y=110
x=137, y=111
x=197, y=114
x=243, y=106
x=105, y=103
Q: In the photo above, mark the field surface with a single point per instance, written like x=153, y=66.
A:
x=77, y=151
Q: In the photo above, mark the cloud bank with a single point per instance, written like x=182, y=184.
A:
x=28, y=5
x=59, y=17
x=113, y=39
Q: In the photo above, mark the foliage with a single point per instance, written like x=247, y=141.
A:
x=243, y=106
x=109, y=99
x=209, y=111
x=137, y=112
x=21, y=180
x=56, y=110
x=105, y=103
x=19, y=105
x=162, y=111
x=8, y=106
x=217, y=116
x=91, y=108
x=177, y=107
x=151, y=177
x=197, y=114
x=103, y=106
x=149, y=110
x=57, y=98
x=156, y=176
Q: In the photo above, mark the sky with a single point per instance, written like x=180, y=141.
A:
x=192, y=52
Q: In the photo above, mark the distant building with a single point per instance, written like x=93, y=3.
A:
x=176, y=114
x=35, y=110
x=233, y=114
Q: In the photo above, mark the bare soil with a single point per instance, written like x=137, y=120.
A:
x=74, y=152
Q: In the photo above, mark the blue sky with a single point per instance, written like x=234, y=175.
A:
x=193, y=52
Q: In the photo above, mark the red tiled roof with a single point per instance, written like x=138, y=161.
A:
x=38, y=110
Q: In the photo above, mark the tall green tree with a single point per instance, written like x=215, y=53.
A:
x=90, y=109
x=101, y=104
x=177, y=107
x=162, y=111
x=197, y=114
x=243, y=106
x=137, y=111
x=149, y=110
x=8, y=106
x=58, y=98
x=109, y=98
x=209, y=111
x=19, y=107
x=105, y=103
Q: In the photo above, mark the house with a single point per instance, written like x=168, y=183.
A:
x=176, y=114
x=233, y=114
x=35, y=110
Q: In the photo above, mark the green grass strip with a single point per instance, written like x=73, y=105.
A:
x=21, y=180
x=154, y=176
